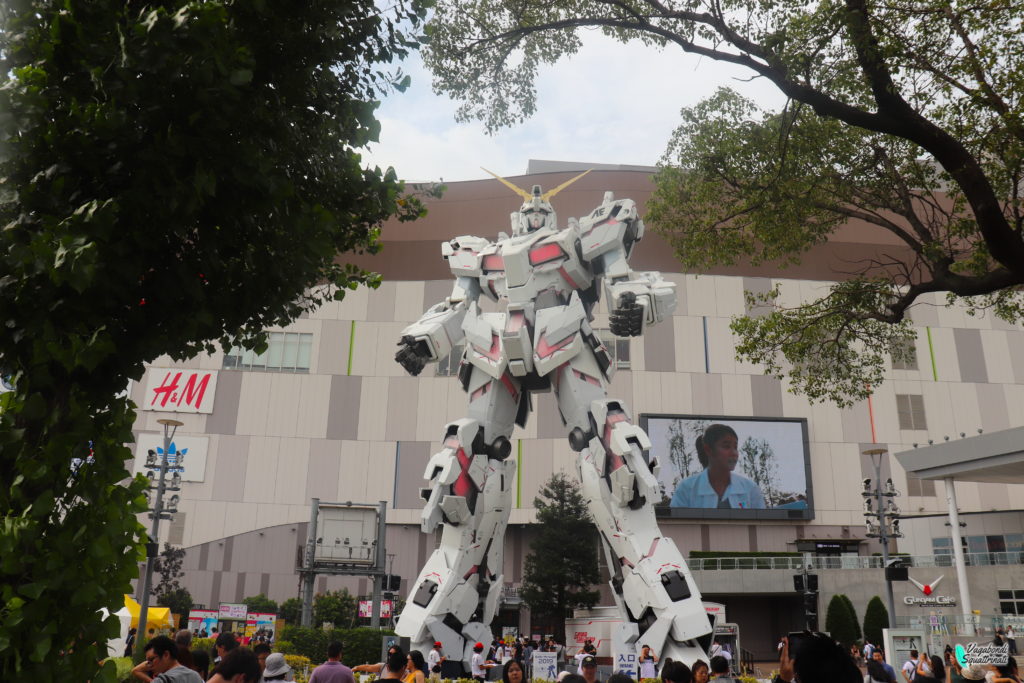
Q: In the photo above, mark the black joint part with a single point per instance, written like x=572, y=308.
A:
x=500, y=448
x=425, y=494
x=425, y=593
x=479, y=445
x=676, y=586
x=578, y=439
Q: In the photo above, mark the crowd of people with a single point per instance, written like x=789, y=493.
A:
x=804, y=658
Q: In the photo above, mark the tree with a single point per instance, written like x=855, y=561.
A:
x=853, y=615
x=838, y=622
x=172, y=174
x=179, y=600
x=561, y=569
x=904, y=116
x=168, y=566
x=291, y=611
x=337, y=607
x=876, y=617
x=260, y=604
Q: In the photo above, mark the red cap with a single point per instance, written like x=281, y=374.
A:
x=437, y=643
x=478, y=646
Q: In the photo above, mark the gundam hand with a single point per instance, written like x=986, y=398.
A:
x=627, y=319
x=413, y=354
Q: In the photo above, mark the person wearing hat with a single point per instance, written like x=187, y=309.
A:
x=277, y=669
x=434, y=660
x=589, y=666
x=479, y=667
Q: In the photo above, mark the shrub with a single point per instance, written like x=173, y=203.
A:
x=840, y=623
x=362, y=645
x=876, y=617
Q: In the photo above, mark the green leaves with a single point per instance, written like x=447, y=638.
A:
x=170, y=176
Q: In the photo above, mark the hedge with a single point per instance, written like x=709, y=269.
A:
x=361, y=645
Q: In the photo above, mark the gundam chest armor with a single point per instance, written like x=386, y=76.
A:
x=550, y=279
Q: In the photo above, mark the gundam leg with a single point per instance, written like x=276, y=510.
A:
x=470, y=496
x=660, y=604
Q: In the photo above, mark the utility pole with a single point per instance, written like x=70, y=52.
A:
x=887, y=514
x=158, y=465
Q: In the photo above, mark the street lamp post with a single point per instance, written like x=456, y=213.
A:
x=160, y=464
x=884, y=512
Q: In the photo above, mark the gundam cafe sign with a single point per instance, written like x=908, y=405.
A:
x=180, y=391
x=929, y=598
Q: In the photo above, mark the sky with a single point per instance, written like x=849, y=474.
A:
x=610, y=104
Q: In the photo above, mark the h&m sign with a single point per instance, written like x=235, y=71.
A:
x=180, y=391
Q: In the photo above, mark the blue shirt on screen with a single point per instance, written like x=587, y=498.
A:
x=695, y=492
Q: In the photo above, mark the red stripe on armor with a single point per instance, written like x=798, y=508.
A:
x=546, y=253
x=586, y=378
x=472, y=570
x=507, y=381
x=515, y=322
x=463, y=485
x=544, y=349
x=568, y=280
x=615, y=461
x=494, y=353
x=493, y=262
x=479, y=392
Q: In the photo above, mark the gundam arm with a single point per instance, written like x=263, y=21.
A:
x=635, y=299
x=439, y=329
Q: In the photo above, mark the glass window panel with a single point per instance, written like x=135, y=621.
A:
x=1019, y=595
x=1008, y=607
x=291, y=352
x=305, y=351
x=622, y=353
x=274, y=351
x=247, y=357
x=996, y=544
x=1015, y=542
x=1005, y=595
x=942, y=542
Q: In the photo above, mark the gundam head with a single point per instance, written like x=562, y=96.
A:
x=536, y=212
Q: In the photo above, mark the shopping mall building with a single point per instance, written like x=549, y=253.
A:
x=327, y=413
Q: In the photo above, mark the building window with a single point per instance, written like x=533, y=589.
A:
x=904, y=355
x=286, y=352
x=1011, y=601
x=618, y=348
x=920, y=487
x=910, y=408
x=448, y=366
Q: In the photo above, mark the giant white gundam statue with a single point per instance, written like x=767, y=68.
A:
x=550, y=279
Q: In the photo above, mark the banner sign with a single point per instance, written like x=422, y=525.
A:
x=366, y=609
x=233, y=610
x=545, y=665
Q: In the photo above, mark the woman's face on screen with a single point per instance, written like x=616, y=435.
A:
x=723, y=454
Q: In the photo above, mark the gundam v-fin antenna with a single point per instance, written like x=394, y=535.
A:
x=528, y=196
x=551, y=193
x=518, y=190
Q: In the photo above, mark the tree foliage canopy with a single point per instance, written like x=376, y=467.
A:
x=340, y=608
x=840, y=623
x=876, y=618
x=260, y=604
x=560, y=572
x=171, y=174
x=904, y=117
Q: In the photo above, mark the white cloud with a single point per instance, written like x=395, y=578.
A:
x=610, y=103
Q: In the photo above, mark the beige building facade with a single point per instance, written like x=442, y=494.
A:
x=328, y=413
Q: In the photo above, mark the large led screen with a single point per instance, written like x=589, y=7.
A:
x=731, y=467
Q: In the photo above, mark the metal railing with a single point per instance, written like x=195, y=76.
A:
x=850, y=561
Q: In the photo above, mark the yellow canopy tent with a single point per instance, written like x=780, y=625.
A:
x=156, y=617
